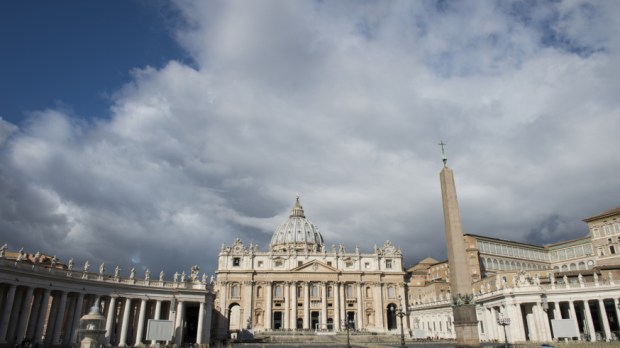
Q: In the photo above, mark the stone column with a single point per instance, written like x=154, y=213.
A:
x=37, y=297
x=336, y=305
x=110, y=320
x=343, y=303
x=140, y=328
x=520, y=329
x=557, y=313
x=490, y=323
x=207, y=321
x=287, y=306
x=573, y=315
x=77, y=314
x=547, y=325
x=51, y=322
x=306, y=305
x=604, y=319
x=379, y=310
x=293, y=319
x=156, y=316
x=360, y=308
x=25, y=314
x=60, y=314
x=6, y=313
x=268, y=306
x=324, y=305
x=178, y=326
x=616, y=308
x=125, y=325
x=249, y=303
x=591, y=329
x=42, y=316
x=201, y=317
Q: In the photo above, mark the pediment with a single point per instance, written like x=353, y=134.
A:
x=315, y=266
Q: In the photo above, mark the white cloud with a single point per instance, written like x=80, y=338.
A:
x=343, y=103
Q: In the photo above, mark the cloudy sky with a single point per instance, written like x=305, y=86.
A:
x=146, y=134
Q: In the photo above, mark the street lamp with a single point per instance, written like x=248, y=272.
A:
x=347, y=325
x=400, y=313
x=503, y=321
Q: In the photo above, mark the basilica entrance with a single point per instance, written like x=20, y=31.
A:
x=277, y=320
x=351, y=320
x=391, y=317
x=314, y=320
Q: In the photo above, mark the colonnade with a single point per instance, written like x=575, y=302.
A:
x=594, y=319
x=51, y=316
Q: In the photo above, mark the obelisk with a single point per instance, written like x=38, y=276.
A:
x=463, y=306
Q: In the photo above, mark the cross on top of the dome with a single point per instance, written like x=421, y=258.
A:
x=298, y=210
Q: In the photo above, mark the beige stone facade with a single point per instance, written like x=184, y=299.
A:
x=300, y=284
x=605, y=233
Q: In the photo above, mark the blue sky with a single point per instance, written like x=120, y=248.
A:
x=76, y=53
x=149, y=133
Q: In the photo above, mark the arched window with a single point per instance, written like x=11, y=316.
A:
x=330, y=292
x=300, y=292
x=368, y=292
x=259, y=292
x=573, y=267
x=564, y=268
x=582, y=265
x=556, y=268
x=349, y=291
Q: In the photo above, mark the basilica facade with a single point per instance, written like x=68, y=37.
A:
x=299, y=283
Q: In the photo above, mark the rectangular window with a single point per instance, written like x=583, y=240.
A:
x=236, y=261
x=388, y=264
x=367, y=265
x=260, y=263
x=299, y=263
x=329, y=263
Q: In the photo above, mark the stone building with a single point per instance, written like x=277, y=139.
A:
x=299, y=283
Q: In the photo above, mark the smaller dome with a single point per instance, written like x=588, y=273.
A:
x=297, y=233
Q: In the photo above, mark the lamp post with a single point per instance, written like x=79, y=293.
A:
x=503, y=321
x=347, y=325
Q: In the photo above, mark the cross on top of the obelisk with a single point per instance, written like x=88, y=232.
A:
x=443, y=152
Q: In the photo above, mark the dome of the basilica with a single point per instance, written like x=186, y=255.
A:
x=297, y=233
